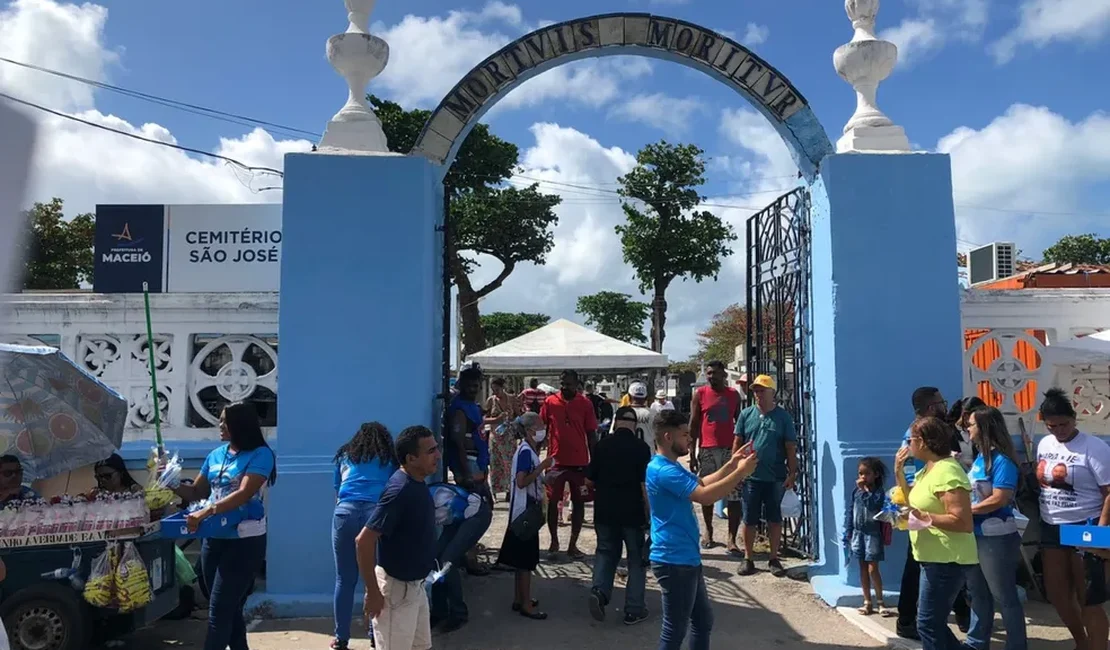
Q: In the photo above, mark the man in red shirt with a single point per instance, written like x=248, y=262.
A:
x=713, y=412
x=571, y=429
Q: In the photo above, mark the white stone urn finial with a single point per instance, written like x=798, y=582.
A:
x=865, y=62
x=358, y=57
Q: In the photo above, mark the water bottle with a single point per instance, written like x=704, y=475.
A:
x=56, y=574
x=436, y=576
x=909, y=469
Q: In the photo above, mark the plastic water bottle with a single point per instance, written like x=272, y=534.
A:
x=436, y=576
x=56, y=574
x=909, y=469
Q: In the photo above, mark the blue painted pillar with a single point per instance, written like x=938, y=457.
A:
x=886, y=315
x=360, y=326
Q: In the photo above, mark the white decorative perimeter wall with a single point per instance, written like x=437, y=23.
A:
x=211, y=349
x=1007, y=356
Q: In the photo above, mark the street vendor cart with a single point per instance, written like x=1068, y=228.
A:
x=83, y=568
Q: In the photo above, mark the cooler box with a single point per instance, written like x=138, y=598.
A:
x=223, y=525
x=1085, y=536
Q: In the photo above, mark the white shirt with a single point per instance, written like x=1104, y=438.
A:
x=665, y=406
x=525, y=459
x=645, y=424
x=1071, y=476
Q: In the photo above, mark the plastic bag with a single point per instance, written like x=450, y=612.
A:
x=183, y=570
x=791, y=505
x=159, y=487
x=133, y=580
x=100, y=588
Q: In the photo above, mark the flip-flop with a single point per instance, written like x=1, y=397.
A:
x=535, y=616
x=735, y=552
x=574, y=555
x=707, y=544
x=535, y=603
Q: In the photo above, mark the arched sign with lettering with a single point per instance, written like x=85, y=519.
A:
x=623, y=34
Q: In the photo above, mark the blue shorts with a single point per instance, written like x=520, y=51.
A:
x=763, y=501
x=868, y=548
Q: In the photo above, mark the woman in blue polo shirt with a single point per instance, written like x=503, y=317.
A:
x=236, y=476
x=362, y=467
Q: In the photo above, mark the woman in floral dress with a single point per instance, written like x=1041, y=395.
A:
x=502, y=443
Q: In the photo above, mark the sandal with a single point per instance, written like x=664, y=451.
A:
x=884, y=611
x=534, y=615
x=866, y=610
x=707, y=544
x=574, y=554
x=535, y=603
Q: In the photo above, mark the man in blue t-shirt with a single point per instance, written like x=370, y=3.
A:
x=396, y=550
x=675, y=550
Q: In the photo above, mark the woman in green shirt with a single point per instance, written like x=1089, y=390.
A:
x=945, y=547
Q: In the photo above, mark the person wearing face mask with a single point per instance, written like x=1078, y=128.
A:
x=959, y=417
x=618, y=470
x=523, y=555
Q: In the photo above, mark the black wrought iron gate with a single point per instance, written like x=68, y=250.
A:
x=778, y=295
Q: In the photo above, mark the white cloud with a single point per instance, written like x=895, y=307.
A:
x=85, y=165
x=1045, y=21
x=1029, y=160
x=914, y=38
x=57, y=36
x=419, y=74
x=755, y=34
x=672, y=115
x=934, y=25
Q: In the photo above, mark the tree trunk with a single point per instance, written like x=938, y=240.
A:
x=659, y=316
x=473, y=336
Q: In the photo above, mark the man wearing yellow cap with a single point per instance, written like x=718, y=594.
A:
x=770, y=429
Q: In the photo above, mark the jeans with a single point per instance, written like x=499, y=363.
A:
x=228, y=567
x=610, y=539
x=908, y=592
x=685, y=606
x=994, y=579
x=455, y=540
x=940, y=585
x=348, y=521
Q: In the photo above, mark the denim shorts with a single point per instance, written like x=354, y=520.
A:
x=763, y=500
x=868, y=548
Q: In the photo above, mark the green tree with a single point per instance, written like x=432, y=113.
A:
x=1079, y=249
x=58, y=254
x=501, y=326
x=510, y=224
x=728, y=329
x=665, y=237
x=615, y=314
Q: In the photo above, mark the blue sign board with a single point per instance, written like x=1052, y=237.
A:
x=128, y=248
x=1085, y=536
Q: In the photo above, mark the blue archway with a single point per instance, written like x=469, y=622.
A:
x=640, y=34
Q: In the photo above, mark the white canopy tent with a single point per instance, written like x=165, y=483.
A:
x=1093, y=349
x=564, y=345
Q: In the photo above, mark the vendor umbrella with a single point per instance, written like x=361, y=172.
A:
x=55, y=416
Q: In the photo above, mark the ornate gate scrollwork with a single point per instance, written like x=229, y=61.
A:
x=779, y=294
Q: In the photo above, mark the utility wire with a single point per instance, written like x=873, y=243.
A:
x=195, y=109
x=199, y=152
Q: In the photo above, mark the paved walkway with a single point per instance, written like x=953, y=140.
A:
x=758, y=612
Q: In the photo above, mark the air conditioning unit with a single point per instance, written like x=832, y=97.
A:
x=991, y=262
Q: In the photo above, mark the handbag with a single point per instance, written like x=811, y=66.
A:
x=529, y=523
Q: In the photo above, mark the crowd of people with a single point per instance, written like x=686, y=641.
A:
x=411, y=510
x=959, y=473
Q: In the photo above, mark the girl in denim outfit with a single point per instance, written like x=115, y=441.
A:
x=863, y=534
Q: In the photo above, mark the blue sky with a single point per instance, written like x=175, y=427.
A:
x=1013, y=89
